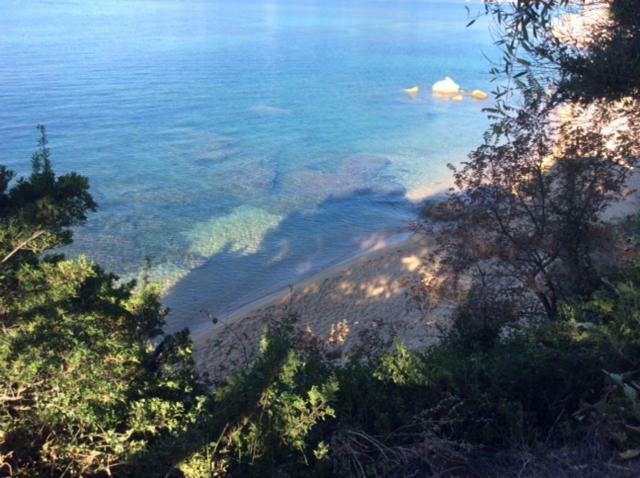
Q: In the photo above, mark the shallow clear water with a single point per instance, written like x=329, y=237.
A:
x=242, y=144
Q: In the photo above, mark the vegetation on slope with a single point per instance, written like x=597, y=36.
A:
x=87, y=378
x=538, y=375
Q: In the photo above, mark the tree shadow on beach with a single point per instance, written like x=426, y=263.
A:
x=302, y=244
x=305, y=236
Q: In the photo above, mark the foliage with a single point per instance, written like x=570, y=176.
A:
x=90, y=386
x=526, y=387
x=36, y=213
x=534, y=199
x=87, y=379
x=611, y=318
x=267, y=417
x=534, y=193
x=597, y=64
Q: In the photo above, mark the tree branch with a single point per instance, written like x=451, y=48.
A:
x=21, y=246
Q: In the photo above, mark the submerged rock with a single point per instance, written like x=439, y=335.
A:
x=242, y=178
x=308, y=187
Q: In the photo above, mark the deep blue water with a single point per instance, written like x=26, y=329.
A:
x=242, y=144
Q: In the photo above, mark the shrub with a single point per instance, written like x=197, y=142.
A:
x=88, y=383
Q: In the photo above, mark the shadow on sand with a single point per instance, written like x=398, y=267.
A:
x=303, y=244
x=308, y=238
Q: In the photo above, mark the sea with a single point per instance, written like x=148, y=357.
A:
x=237, y=147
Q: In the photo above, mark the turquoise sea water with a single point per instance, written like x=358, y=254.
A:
x=242, y=144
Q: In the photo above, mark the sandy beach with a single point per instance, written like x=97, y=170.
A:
x=376, y=294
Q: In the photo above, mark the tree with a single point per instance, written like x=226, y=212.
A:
x=533, y=194
x=36, y=213
x=587, y=48
x=88, y=382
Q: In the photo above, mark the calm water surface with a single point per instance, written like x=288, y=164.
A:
x=241, y=144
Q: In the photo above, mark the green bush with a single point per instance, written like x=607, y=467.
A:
x=88, y=383
x=611, y=319
x=537, y=387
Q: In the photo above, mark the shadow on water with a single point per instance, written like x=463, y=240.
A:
x=302, y=244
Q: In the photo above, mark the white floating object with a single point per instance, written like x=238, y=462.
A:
x=413, y=91
x=446, y=87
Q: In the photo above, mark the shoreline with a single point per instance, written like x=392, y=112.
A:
x=371, y=298
x=266, y=300
x=373, y=294
x=379, y=291
x=383, y=239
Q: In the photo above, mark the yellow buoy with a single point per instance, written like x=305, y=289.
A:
x=413, y=91
x=458, y=98
x=479, y=95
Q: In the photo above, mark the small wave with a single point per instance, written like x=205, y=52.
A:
x=267, y=110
